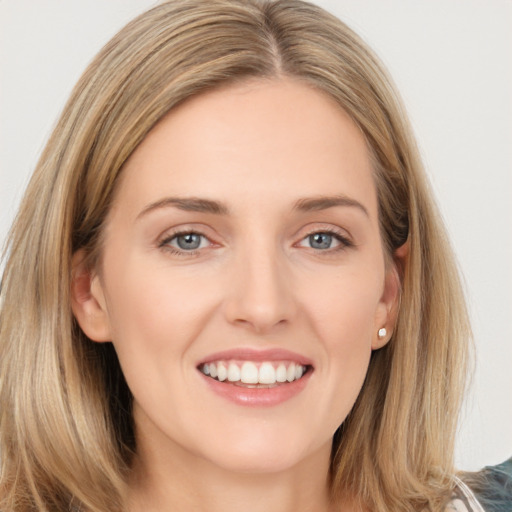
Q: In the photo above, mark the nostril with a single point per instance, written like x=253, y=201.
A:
x=260, y=325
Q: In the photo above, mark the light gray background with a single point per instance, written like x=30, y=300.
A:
x=452, y=62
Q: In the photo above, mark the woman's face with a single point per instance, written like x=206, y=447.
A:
x=243, y=280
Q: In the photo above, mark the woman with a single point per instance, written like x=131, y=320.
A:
x=228, y=285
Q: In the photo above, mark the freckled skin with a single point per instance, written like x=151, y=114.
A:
x=256, y=281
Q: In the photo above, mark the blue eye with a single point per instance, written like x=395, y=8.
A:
x=189, y=242
x=186, y=242
x=327, y=241
x=321, y=240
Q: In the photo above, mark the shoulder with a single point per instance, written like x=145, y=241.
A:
x=492, y=487
x=463, y=499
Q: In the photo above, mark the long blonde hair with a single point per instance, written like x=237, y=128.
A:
x=65, y=423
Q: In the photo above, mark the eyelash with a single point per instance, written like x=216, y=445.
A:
x=164, y=244
x=345, y=242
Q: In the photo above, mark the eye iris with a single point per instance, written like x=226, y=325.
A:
x=320, y=240
x=189, y=241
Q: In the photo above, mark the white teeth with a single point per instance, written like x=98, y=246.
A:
x=222, y=372
x=249, y=373
x=267, y=374
x=281, y=373
x=290, y=373
x=233, y=372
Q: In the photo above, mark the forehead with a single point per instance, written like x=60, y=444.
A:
x=244, y=142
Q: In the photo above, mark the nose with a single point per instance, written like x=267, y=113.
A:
x=260, y=296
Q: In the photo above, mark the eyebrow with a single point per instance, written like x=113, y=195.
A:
x=325, y=202
x=202, y=205
x=187, y=204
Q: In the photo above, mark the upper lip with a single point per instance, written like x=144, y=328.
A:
x=257, y=355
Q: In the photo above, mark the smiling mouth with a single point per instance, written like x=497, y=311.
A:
x=250, y=374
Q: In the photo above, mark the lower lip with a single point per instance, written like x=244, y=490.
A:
x=257, y=397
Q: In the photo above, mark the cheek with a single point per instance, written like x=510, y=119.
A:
x=343, y=306
x=155, y=311
x=343, y=319
x=156, y=316
x=345, y=326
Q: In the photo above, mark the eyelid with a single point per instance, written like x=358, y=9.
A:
x=163, y=242
x=176, y=236
x=339, y=233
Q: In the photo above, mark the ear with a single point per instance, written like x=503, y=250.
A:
x=389, y=304
x=88, y=300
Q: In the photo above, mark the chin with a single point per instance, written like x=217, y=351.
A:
x=267, y=454
x=261, y=463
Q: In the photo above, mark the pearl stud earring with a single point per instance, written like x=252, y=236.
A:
x=382, y=332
